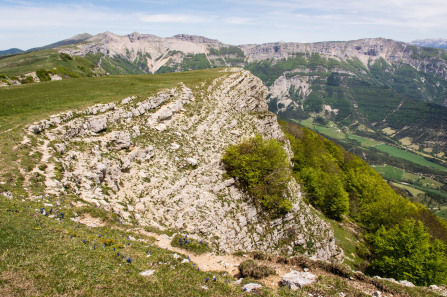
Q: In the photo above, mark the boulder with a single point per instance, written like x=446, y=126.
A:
x=164, y=114
x=125, y=164
x=36, y=129
x=120, y=140
x=101, y=172
x=295, y=279
x=60, y=148
x=97, y=124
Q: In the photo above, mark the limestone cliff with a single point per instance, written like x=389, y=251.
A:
x=157, y=161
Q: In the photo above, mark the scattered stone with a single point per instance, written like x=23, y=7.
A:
x=434, y=287
x=377, y=294
x=7, y=194
x=296, y=279
x=36, y=129
x=127, y=100
x=239, y=281
x=175, y=146
x=192, y=161
x=252, y=287
x=406, y=283
x=147, y=273
x=160, y=127
x=60, y=148
x=185, y=261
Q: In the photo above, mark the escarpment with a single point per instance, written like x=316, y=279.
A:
x=157, y=162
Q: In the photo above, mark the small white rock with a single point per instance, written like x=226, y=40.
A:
x=147, y=272
x=191, y=161
x=239, y=281
x=251, y=287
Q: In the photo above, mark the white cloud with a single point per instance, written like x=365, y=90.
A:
x=30, y=17
x=23, y=22
x=238, y=20
x=173, y=18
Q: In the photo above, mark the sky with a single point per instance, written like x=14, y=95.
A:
x=26, y=24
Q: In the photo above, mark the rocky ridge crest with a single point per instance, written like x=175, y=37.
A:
x=157, y=162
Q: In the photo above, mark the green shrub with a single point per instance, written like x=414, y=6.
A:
x=406, y=252
x=250, y=268
x=65, y=57
x=261, y=167
x=43, y=75
x=27, y=80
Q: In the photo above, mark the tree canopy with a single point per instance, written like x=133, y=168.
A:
x=407, y=252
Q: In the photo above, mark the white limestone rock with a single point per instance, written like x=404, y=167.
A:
x=97, y=124
x=251, y=287
x=147, y=272
x=296, y=280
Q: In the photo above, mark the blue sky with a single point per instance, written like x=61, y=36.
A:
x=26, y=24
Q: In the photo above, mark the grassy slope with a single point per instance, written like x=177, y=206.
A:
x=46, y=256
x=29, y=62
x=23, y=104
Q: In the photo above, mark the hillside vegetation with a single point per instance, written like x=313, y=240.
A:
x=390, y=114
x=343, y=186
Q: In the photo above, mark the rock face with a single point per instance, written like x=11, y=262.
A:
x=154, y=50
x=166, y=171
x=366, y=50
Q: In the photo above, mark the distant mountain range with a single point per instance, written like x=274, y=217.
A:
x=11, y=51
x=431, y=42
x=73, y=40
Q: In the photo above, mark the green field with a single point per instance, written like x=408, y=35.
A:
x=416, y=159
x=365, y=142
x=330, y=132
x=415, y=192
x=390, y=172
x=442, y=213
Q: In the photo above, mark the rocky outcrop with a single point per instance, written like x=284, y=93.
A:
x=158, y=161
